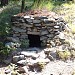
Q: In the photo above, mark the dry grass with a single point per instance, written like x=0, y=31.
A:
x=67, y=11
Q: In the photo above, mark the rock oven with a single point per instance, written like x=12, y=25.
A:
x=36, y=28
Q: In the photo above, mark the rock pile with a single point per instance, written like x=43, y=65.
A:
x=39, y=63
x=30, y=61
x=43, y=23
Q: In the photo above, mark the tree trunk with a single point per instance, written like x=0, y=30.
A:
x=4, y=2
x=23, y=5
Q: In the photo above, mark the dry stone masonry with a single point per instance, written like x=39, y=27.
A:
x=43, y=23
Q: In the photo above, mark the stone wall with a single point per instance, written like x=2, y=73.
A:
x=46, y=25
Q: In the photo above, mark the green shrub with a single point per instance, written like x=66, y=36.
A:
x=25, y=43
x=4, y=50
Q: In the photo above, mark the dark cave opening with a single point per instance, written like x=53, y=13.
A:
x=34, y=40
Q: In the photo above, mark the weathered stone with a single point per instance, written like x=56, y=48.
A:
x=56, y=26
x=23, y=69
x=7, y=71
x=50, y=35
x=29, y=29
x=21, y=57
x=44, y=32
x=22, y=62
x=37, y=25
x=23, y=36
x=47, y=51
x=28, y=21
x=15, y=23
x=21, y=20
x=61, y=35
x=29, y=54
x=27, y=25
x=12, y=39
x=18, y=29
x=52, y=43
x=48, y=45
x=50, y=57
x=15, y=59
x=43, y=38
x=55, y=30
x=46, y=25
x=33, y=33
x=40, y=60
x=16, y=35
x=35, y=30
x=26, y=17
x=50, y=30
x=23, y=27
x=73, y=53
x=15, y=17
x=51, y=19
x=36, y=21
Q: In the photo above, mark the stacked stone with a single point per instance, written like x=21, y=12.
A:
x=47, y=27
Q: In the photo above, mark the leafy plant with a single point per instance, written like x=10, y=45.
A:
x=25, y=43
x=4, y=51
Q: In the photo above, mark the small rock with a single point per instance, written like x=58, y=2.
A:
x=36, y=21
x=44, y=32
x=56, y=26
x=23, y=69
x=40, y=60
x=29, y=54
x=16, y=29
x=61, y=35
x=43, y=38
x=26, y=17
x=13, y=39
x=21, y=62
x=21, y=57
x=7, y=71
x=15, y=59
x=50, y=57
